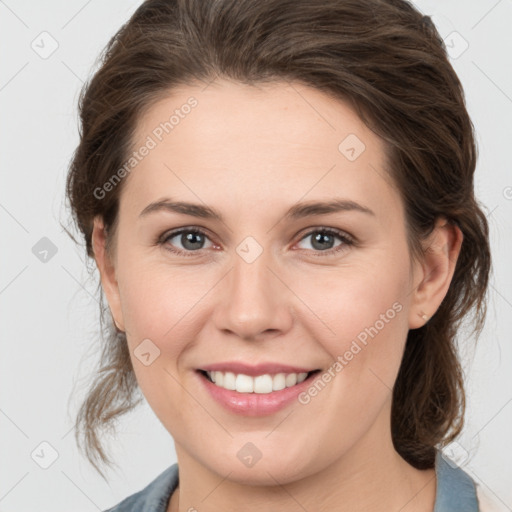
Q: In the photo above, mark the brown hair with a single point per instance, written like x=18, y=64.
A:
x=385, y=59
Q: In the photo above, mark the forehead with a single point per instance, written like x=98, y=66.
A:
x=257, y=146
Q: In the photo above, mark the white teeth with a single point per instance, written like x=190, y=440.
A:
x=244, y=384
x=291, y=379
x=279, y=382
x=229, y=381
x=260, y=384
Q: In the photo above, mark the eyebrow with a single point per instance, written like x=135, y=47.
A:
x=298, y=211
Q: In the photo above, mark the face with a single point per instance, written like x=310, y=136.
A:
x=257, y=275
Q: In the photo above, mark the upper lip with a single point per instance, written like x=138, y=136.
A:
x=237, y=367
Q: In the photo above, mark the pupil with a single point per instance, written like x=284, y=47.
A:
x=188, y=240
x=322, y=238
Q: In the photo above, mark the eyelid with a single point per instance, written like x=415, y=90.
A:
x=346, y=239
x=330, y=230
x=185, y=229
x=162, y=239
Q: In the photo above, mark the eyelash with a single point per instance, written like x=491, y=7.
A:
x=344, y=237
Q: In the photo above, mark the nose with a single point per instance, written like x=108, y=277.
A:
x=254, y=301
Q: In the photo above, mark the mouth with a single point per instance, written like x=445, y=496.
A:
x=255, y=390
x=258, y=384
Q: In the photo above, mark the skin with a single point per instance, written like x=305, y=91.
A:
x=251, y=153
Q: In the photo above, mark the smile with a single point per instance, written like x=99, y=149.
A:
x=255, y=395
x=260, y=384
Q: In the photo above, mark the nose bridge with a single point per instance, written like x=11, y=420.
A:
x=251, y=274
x=254, y=300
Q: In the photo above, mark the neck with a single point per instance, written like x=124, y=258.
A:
x=369, y=477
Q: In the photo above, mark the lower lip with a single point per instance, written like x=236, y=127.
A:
x=255, y=404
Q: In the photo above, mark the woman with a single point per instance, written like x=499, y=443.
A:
x=279, y=198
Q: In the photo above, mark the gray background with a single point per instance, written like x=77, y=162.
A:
x=49, y=312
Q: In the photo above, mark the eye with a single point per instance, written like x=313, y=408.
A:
x=323, y=240
x=191, y=240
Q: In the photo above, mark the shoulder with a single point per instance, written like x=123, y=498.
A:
x=456, y=490
x=154, y=497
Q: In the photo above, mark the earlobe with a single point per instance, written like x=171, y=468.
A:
x=107, y=272
x=441, y=251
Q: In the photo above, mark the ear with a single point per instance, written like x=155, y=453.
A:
x=107, y=272
x=434, y=273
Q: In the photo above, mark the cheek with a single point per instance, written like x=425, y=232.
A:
x=167, y=307
x=158, y=301
x=160, y=312
x=361, y=320
x=366, y=310
x=347, y=301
